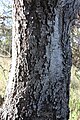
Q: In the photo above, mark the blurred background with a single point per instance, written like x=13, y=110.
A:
x=6, y=54
x=5, y=44
x=75, y=72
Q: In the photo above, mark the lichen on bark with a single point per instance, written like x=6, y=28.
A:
x=41, y=61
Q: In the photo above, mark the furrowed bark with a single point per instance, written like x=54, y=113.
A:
x=38, y=87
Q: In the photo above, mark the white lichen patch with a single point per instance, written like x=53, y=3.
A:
x=55, y=49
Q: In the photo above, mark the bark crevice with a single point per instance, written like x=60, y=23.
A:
x=39, y=84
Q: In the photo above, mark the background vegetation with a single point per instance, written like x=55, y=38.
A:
x=5, y=44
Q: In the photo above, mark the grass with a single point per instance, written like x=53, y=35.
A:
x=74, y=87
x=74, y=96
x=4, y=70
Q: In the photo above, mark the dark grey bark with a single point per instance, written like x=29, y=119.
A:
x=38, y=87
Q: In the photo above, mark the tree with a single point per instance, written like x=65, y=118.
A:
x=38, y=87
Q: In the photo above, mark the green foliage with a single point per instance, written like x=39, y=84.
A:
x=6, y=27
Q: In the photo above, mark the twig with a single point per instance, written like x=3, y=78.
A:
x=4, y=71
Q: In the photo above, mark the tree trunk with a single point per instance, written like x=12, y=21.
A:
x=38, y=87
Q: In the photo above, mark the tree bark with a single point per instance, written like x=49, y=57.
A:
x=38, y=87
